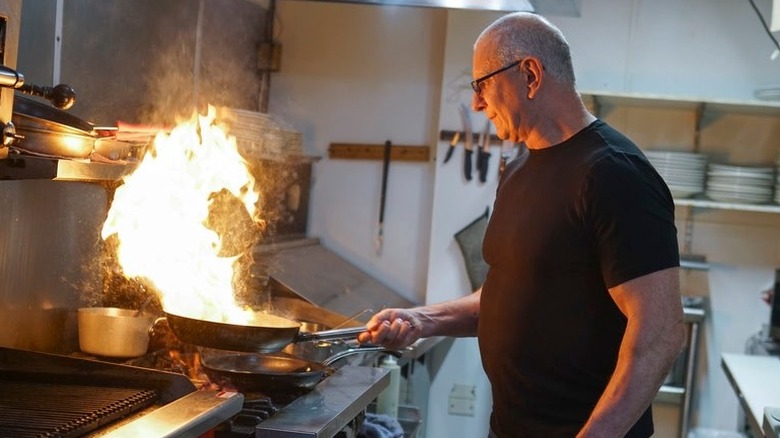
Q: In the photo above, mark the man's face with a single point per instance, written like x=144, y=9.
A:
x=498, y=95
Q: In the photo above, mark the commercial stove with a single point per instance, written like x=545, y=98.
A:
x=52, y=395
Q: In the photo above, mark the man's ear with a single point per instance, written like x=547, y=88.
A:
x=532, y=70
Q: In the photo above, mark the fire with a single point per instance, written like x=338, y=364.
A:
x=159, y=216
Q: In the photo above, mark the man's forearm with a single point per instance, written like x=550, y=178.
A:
x=632, y=387
x=654, y=337
x=456, y=318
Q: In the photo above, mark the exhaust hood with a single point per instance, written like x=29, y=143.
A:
x=306, y=269
x=569, y=8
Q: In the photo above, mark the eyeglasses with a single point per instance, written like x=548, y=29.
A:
x=476, y=83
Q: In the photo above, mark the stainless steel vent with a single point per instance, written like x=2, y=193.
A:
x=308, y=270
x=570, y=8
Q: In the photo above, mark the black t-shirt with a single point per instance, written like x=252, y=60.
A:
x=570, y=222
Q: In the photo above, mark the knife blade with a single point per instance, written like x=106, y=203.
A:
x=468, y=141
x=453, y=143
x=380, y=237
x=483, y=156
x=480, y=142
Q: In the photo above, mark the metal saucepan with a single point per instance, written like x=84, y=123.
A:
x=113, y=332
x=273, y=374
x=263, y=334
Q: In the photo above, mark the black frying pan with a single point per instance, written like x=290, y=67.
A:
x=264, y=334
x=272, y=374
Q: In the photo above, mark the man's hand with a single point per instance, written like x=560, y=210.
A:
x=392, y=328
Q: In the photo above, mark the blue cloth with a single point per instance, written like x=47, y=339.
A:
x=380, y=426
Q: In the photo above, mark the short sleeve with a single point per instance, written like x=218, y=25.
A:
x=629, y=212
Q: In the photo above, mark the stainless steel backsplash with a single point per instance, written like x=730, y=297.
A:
x=50, y=253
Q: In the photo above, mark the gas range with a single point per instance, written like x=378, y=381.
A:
x=335, y=408
x=96, y=398
x=62, y=396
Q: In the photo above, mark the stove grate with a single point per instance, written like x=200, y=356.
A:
x=38, y=409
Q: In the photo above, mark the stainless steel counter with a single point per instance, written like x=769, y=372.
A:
x=326, y=410
x=756, y=381
x=190, y=416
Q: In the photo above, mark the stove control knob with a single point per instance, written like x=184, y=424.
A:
x=9, y=135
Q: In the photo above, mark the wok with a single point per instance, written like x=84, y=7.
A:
x=273, y=374
x=263, y=334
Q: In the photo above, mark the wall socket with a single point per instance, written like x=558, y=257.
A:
x=462, y=399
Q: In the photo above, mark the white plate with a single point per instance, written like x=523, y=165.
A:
x=767, y=191
x=675, y=154
x=748, y=170
x=752, y=179
x=732, y=197
x=679, y=165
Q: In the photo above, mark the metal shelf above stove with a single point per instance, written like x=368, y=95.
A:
x=21, y=167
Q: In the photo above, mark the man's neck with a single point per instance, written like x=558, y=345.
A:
x=568, y=117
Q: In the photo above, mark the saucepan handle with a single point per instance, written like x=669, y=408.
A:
x=329, y=335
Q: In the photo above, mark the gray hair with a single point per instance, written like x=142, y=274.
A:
x=522, y=33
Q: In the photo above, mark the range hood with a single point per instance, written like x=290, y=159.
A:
x=567, y=8
x=305, y=269
x=311, y=283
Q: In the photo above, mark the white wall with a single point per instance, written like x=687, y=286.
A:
x=364, y=74
x=368, y=73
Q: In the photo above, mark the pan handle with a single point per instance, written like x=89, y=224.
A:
x=329, y=335
x=364, y=349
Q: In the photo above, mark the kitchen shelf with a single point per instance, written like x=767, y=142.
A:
x=670, y=394
x=687, y=261
x=756, y=107
x=704, y=203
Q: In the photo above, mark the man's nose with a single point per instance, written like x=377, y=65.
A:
x=477, y=102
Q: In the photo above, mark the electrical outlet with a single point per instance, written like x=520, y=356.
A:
x=461, y=401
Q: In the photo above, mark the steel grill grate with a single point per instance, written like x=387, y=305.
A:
x=32, y=409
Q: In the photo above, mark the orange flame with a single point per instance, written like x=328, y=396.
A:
x=159, y=213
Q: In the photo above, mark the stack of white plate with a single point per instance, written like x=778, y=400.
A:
x=259, y=135
x=742, y=184
x=683, y=172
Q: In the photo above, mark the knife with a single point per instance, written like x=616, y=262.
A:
x=484, y=152
x=453, y=143
x=380, y=237
x=467, y=141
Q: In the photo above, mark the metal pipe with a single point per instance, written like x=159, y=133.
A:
x=10, y=78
